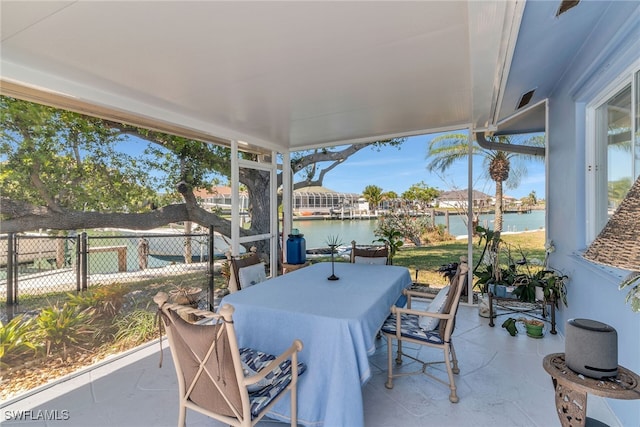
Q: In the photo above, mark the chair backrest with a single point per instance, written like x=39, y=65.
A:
x=369, y=254
x=236, y=264
x=206, y=358
x=456, y=287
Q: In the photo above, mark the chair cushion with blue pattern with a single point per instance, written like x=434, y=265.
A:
x=411, y=328
x=276, y=381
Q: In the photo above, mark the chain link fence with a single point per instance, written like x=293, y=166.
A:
x=38, y=271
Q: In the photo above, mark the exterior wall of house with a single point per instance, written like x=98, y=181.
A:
x=593, y=290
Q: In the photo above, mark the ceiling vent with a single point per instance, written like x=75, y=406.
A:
x=566, y=5
x=525, y=99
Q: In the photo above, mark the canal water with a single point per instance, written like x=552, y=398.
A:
x=315, y=233
x=362, y=230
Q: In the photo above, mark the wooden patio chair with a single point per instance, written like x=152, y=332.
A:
x=369, y=254
x=241, y=278
x=236, y=386
x=432, y=327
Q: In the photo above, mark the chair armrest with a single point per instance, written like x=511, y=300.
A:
x=291, y=352
x=419, y=294
x=416, y=294
x=398, y=311
x=161, y=299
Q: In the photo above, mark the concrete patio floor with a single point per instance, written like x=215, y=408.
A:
x=501, y=383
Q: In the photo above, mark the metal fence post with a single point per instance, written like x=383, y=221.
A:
x=78, y=263
x=83, y=248
x=85, y=261
x=12, y=264
x=210, y=268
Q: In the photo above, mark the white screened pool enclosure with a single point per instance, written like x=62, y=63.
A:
x=323, y=202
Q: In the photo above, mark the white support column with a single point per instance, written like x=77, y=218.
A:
x=273, y=214
x=235, y=200
x=470, y=218
x=287, y=201
x=549, y=202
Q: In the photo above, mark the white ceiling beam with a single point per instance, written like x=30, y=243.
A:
x=493, y=32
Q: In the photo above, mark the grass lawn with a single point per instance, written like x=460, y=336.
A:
x=427, y=259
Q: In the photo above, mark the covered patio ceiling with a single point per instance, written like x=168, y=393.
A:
x=288, y=76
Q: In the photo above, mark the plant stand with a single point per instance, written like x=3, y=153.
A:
x=511, y=305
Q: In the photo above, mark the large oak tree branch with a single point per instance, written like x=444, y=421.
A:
x=24, y=217
x=39, y=185
x=317, y=182
x=326, y=156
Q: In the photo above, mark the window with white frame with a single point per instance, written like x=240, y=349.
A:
x=613, y=150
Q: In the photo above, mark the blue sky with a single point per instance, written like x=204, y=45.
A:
x=394, y=169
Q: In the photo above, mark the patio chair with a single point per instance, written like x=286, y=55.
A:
x=432, y=327
x=236, y=386
x=369, y=254
x=246, y=270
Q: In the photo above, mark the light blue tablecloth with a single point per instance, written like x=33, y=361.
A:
x=337, y=322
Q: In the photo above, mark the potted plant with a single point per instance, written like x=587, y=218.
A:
x=550, y=282
x=499, y=272
x=533, y=327
x=491, y=275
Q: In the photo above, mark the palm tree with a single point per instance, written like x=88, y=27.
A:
x=531, y=199
x=447, y=149
x=373, y=195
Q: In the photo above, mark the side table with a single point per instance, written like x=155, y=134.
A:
x=571, y=389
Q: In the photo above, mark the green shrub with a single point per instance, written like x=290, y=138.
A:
x=136, y=328
x=15, y=339
x=436, y=233
x=107, y=300
x=60, y=327
x=419, y=230
x=82, y=300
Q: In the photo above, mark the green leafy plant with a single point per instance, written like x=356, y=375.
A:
x=82, y=300
x=489, y=240
x=333, y=242
x=522, y=274
x=419, y=230
x=391, y=237
x=107, y=300
x=225, y=271
x=510, y=276
x=136, y=328
x=15, y=338
x=61, y=327
x=492, y=272
x=553, y=285
x=633, y=297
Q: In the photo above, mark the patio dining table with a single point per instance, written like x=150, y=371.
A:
x=337, y=322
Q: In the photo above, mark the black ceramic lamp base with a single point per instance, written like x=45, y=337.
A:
x=333, y=276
